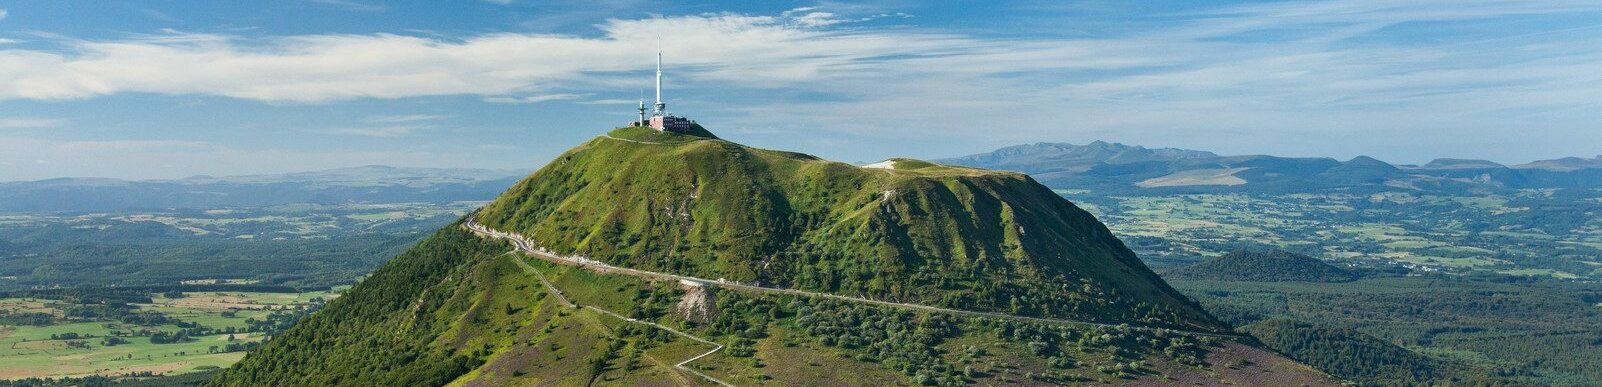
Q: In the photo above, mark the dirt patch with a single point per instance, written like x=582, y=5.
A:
x=697, y=304
x=217, y=302
x=40, y=344
x=158, y=369
x=1236, y=364
x=237, y=337
x=28, y=306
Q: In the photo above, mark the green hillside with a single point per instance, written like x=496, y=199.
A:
x=458, y=310
x=462, y=310
x=1264, y=266
x=916, y=232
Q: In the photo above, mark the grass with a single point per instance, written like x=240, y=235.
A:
x=28, y=351
x=1444, y=233
x=710, y=208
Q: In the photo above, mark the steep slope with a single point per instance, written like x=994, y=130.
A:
x=1264, y=266
x=462, y=309
x=919, y=232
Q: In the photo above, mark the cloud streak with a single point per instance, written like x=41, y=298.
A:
x=30, y=122
x=1301, y=69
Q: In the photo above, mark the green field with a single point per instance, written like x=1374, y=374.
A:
x=1526, y=235
x=29, y=351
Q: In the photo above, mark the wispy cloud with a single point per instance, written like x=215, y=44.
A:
x=30, y=122
x=612, y=101
x=353, y=5
x=406, y=118
x=375, y=131
x=535, y=98
x=3, y=13
x=1303, y=67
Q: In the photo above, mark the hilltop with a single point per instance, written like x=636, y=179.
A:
x=1264, y=266
x=917, y=231
x=460, y=309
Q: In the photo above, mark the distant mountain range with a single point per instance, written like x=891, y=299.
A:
x=1117, y=168
x=366, y=184
x=1108, y=168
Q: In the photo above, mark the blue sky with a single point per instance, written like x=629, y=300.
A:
x=167, y=89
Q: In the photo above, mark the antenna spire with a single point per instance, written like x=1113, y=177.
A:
x=661, y=108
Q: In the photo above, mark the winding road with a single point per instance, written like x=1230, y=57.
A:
x=527, y=246
x=569, y=303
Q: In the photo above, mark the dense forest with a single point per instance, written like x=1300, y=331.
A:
x=1516, y=329
x=1347, y=353
x=1266, y=266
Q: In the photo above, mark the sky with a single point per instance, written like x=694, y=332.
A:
x=170, y=89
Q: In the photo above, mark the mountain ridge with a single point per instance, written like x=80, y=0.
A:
x=364, y=184
x=1192, y=171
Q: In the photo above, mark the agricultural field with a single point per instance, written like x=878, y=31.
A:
x=158, y=334
x=299, y=245
x=1528, y=233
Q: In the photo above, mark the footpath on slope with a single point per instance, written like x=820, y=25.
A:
x=681, y=365
x=527, y=246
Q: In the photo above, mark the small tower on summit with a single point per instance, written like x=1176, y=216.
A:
x=642, y=111
x=660, y=119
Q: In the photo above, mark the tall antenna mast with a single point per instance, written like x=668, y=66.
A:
x=661, y=108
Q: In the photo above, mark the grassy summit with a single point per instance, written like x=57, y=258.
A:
x=918, y=232
x=461, y=310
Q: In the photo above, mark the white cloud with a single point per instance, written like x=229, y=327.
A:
x=29, y=122
x=756, y=51
x=810, y=17
x=404, y=118
x=1181, y=82
x=375, y=131
x=3, y=13
x=353, y=5
x=609, y=101
x=535, y=98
